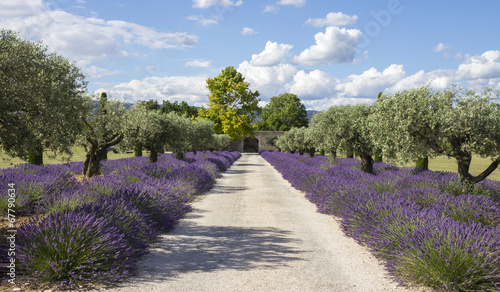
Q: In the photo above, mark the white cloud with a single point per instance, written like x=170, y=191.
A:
x=370, y=82
x=297, y=3
x=325, y=103
x=17, y=8
x=98, y=72
x=191, y=89
x=83, y=38
x=441, y=47
x=248, y=31
x=270, y=9
x=438, y=79
x=273, y=54
x=208, y=3
x=334, y=46
x=269, y=81
x=333, y=19
x=486, y=66
x=204, y=21
x=312, y=85
x=198, y=63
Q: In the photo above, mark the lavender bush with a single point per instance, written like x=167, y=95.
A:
x=418, y=222
x=69, y=248
x=95, y=229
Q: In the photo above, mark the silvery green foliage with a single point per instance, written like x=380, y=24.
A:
x=147, y=127
x=221, y=142
x=296, y=139
x=203, y=135
x=322, y=124
x=42, y=99
x=421, y=122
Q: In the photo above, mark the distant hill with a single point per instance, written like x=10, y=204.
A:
x=311, y=113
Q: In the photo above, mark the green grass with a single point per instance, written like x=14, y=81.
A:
x=78, y=155
x=443, y=163
x=478, y=165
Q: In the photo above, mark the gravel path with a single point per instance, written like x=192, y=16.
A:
x=254, y=232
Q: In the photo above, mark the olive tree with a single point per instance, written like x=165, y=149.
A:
x=220, y=142
x=322, y=128
x=146, y=127
x=42, y=100
x=421, y=122
x=296, y=139
x=202, y=135
x=103, y=130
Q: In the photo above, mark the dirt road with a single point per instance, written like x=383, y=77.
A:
x=254, y=232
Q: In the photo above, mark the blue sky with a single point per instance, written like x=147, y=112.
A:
x=326, y=52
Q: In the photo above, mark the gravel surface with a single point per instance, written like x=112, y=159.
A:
x=254, y=232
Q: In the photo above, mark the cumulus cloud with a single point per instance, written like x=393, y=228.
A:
x=273, y=54
x=83, y=38
x=270, y=80
x=333, y=19
x=248, y=31
x=312, y=85
x=208, y=3
x=486, y=66
x=336, y=45
x=191, y=89
x=198, y=63
x=297, y=3
x=370, y=82
x=204, y=21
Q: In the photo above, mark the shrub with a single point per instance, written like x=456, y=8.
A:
x=125, y=217
x=68, y=249
x=450, y=255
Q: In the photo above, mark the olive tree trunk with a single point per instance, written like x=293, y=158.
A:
x=366, y=163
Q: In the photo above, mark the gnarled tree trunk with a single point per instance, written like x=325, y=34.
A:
x=366, y=163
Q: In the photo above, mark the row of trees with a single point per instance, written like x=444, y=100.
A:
x=44, y=106
x=410, y=125
x=144, y=125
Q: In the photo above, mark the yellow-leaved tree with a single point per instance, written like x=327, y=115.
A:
x=232, y=105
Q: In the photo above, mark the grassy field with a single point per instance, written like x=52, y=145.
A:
x=438, y=164
x=478, y=165
x=78, y=155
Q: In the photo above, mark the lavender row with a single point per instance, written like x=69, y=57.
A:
x=417, y=222
x=90, y=230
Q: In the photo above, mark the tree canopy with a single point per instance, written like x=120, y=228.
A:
x=103, y=130
x=182, y=108
x=419, y=122
x=42, y=99
x=148, y=128
x=232, y=105
x=282, y=113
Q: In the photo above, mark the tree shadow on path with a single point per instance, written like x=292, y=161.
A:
x=195, y=248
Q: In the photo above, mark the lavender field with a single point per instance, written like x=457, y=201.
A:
x=94, y=230
x=417, y=222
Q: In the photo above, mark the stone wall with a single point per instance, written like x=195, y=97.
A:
x=263, y=135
